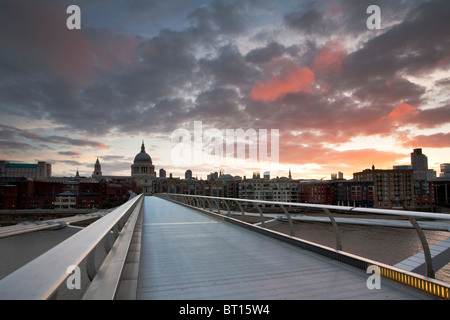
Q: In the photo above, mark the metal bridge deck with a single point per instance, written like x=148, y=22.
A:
x=189, y=255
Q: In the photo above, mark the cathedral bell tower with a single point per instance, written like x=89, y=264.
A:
x=97, y=170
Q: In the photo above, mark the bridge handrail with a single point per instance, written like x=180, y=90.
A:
x=407, y=213
x=411, y=215
x=41, y=278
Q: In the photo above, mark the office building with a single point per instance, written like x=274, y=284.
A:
x=18, y=170
x=419, y=161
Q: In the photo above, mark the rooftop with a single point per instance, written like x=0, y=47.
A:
x=20, y=165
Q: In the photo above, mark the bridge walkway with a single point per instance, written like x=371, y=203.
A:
x=189, y=255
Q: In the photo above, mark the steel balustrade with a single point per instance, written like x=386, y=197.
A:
x=46, y=277
x=411, y=215
x=427, y=284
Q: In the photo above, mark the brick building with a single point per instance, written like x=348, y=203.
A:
x=317, y=192
x=25, y=193
x=391, y=188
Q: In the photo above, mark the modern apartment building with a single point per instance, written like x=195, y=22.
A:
x=392, y=188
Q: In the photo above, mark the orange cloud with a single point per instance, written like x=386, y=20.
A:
x=402, y=112
x=331, y=160
x=330, y=58
x=291, y=79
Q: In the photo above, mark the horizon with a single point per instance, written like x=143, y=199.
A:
x=195, y=176
x=343, y=95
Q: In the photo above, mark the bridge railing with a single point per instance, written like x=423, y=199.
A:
x=225, y=205
x=65, y=271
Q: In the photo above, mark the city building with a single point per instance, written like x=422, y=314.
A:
x=442, y=192
x=27, y=170
x=445, y=170
x=315, y=191
x=405, y=186
x=424, y=194
x=65, y=193
x=353, y=193
x=419, y=165
x=442, y=187
x=277, y=189
x=419, y=161
x=391, y=188
x=336, y=191
x=8, y=196
x=66, y=200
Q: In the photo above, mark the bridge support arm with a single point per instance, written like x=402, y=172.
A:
x=336, y=229
x=262, y=215
x=240, y=207
x=218, y=206
x=228, y=207
x=291, y=224
x=426, y=248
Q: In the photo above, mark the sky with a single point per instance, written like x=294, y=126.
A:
x=342, y=96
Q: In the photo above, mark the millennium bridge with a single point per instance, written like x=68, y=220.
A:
x=177, y=247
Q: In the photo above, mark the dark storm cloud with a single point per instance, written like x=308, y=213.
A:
x=218, y=104
x=394, y=91
x=158, y=72
x=14, y=135
x=229, y=68
x=419, y=44
x=229, y=17
x=265, y=54
x=343, y=18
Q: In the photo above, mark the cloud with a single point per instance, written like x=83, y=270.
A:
x=331, y=159
x=15, y=134
x=402, y=112
x=69, y=162
x=434, y=117
x=291, y=79
x=13, y=146
x=311, y=69
x=438, y=140
x=330, y=58
x=76, y=56
x=262, y=55
x=63, y=140
x=322, y=18
x=70, y=153
x=412, y=46
x=229, y=67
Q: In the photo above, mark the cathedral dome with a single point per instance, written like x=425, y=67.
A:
x=142, y=156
